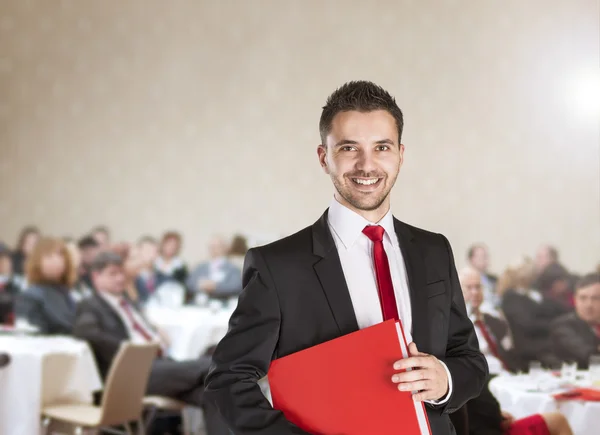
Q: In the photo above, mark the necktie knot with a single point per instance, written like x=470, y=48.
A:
x=374, y=232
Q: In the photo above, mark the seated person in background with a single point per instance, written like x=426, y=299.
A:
x=495, y=340
x=48, y=303
x=80, y=288
x=107, y=319
x=148, y=280
x=101, y=234
x=88, y=249
x=576, y=336
x=169, y=265
x=486, y=418
x=555, y=283
x=528, y=314
x=479, y=260
x=237, y=250
x=28, y=237
x=8, y=288
x=219, y=277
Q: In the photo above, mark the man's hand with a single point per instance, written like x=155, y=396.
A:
x=427, y=377
x=507, y=420
x=207, y=285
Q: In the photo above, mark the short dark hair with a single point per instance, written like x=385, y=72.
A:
x=588, y=280
x=101, y=229
x=87, y=242
x=105, y=259
x=361, y=96
x=554, y=272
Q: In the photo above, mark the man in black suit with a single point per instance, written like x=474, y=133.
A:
x=493, y=333
x=576, y=336
x=320, y=283
x=107, y=319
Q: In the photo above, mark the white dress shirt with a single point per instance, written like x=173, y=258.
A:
x=494, y=364
x=355, y=250
x=136, y=337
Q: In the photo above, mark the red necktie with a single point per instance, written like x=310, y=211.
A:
x=490, y=341
x=139, y=328
x=385, y=286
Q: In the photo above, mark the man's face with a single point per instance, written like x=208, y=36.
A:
x=587, y=303
x=111, y=279
x=480, y=259
x=88, y=254
x=5, y=265
x=470, y=282
x=363, y=158
x=102, y=238
x=217, y=248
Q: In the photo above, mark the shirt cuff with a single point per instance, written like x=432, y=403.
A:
x=447, y=396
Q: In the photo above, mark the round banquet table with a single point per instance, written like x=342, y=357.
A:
x=43, y=371
x=191, y=330
x=524, y=395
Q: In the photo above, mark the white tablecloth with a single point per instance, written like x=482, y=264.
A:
x=43, y=370
x=191, y=329
x=520, y=395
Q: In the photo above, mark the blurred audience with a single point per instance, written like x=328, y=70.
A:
x=237, y=250
x=493, y=333
x=88, y=249
x=8, y=288
x=147, y=280
x=218, y=277
x=528, y=313
x=169, y=265
x=47, y=303
x=25, y=244
x=554, y=282
x=479, y=259
x=544, y=257
x=101, y=235
x=107, y=319
x=576, y=336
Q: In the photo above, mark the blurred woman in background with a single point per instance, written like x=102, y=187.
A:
x=237, y=250
x=169, y=265
x=47, y=303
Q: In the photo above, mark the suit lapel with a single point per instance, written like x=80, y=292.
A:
x=331, y=276
x=415, y=269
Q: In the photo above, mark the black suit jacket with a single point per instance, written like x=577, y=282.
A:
x=484, y=414
x=97, y=323
x=574, y=340
x=50, y=308
x=295, y=296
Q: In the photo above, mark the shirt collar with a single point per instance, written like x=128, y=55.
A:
x=348, y=225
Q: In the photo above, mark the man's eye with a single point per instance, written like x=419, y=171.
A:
x=347, y=148
x=383, y=147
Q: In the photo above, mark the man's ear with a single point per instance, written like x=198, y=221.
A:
x=322, y=153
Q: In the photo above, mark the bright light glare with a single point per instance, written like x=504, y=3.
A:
x=585, y=93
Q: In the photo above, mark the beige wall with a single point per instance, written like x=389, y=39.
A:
x=202, y=116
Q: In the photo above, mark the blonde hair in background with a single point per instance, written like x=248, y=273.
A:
x=44, y=247
x=519, y=275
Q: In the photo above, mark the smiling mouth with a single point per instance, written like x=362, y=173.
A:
x=366, y=181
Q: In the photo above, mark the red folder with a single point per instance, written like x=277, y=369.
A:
x=344, y=386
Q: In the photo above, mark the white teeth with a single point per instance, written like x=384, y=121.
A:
x=366, y=182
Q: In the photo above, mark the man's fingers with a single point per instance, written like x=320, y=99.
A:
x=415, y=386
x=410, y=376
x=413, y=362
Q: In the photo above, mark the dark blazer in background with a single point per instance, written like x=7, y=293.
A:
x=50, y=308
x=530, y=321
x=8, y=296
x=574, y=340
x=484, y=414
x=295, y=296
